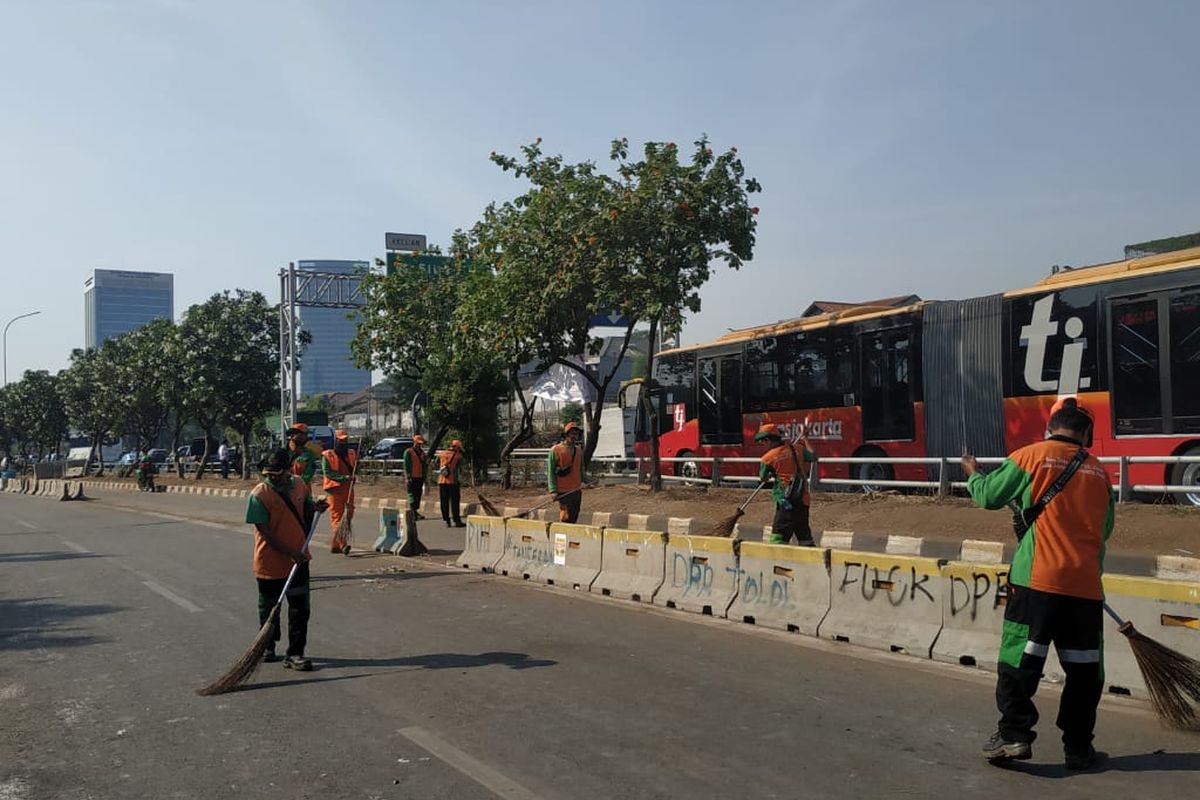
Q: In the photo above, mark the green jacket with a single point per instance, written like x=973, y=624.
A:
x=308, y=464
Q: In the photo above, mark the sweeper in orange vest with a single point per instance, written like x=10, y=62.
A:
x=449, y=493
x=564, y=472
x=414, y=468
x=339, y=465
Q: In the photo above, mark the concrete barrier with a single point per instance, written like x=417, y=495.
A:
x=974, y=597
x=631, y=564
x=780, y=586
x=700, y=575
x=389, y=534
x=883, y=601
x=64, y=492
x=483, y=545
x=528, y=549
x=409, y=543
x=577, y=553
x=79, y=495
x=1166, y=611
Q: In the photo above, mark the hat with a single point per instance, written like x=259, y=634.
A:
x=571, y=426
x=456, y=444
x=1068, y=402
x=277, y=463
x=768, y=431
x=299, y=427
x=418, y=439
x=341, y=435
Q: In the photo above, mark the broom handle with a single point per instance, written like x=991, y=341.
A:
x=291, y=575
x=1116, y=617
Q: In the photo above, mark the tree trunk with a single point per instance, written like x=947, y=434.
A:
x=652, y=408
x=523, y=434
x=592, y=413
x=98, y=451
x=245, y=466
x=204, y=458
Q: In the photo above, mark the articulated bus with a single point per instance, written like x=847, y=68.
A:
x=928, y=379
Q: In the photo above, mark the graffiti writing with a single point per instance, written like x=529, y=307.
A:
x=759, y=588
x=896, y=583
x=967, y=594
x=477, y=538
x=694, y=575
x=531, y=551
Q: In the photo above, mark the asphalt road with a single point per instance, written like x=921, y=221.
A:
x=442, y=684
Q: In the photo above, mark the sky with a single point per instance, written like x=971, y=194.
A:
x=947, y=149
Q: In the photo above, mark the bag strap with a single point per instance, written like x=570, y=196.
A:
x=291, y=507
x=1035, y=510
x=796, y=460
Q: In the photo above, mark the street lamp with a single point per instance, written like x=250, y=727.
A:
x=10, y=322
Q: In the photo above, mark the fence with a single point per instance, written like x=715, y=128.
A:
x=944, y=485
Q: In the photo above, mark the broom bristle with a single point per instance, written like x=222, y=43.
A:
x=1172, y=680
x=245, y=666
x=725, y=527
x=487, y=506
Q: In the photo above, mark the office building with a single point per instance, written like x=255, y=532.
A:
x=326, y=364
x=116, y=301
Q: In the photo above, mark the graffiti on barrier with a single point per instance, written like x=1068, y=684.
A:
x=986, y=589
x=529, y=550
x=477, y=538
x=896, y=583
x=694, y=575
x=759, y=588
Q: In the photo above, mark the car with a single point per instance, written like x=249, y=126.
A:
x=390, y=449
x=158, y=455
x=322, y=435
x=127, y=459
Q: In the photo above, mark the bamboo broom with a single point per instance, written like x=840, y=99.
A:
x=1172, y=679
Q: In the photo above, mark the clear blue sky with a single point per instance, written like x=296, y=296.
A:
x=942, y=148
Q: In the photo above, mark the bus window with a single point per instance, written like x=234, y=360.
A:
x=1185, y=363
x=764, y=388
x=887, y=399
x=1137, y=396
x=676, y=376
x=720, y=399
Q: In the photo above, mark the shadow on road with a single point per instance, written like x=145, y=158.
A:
x=53, y=555
x=250, y=687
x=441, y=661
x=40, y=623
x=1141, y=762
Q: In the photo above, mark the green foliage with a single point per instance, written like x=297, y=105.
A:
x=39, y=421
x=89, y=396
x=570, y=412
x=141, y=367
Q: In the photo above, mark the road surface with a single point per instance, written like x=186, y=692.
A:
x=432, y=683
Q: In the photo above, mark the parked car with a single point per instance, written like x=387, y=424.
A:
x=391, y=449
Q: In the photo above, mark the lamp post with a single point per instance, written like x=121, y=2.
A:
x=6, y=327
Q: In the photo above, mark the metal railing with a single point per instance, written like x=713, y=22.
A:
x=944, y=485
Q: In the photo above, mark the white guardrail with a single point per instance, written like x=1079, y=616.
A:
x=627, y=467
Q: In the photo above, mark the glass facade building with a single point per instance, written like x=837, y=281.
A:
x=117, y=301
x=326, y=364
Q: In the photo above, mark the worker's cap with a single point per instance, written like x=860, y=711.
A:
x=1069, y=402
x=456, y=444
x=418, y=439
x=571, y=426
x=768, y=431
x=276, y=463
x=298, y=429
x=341, y=435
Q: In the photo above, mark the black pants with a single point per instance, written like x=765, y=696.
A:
x=225, y=468
x=791, y=521
x=1033, y=621
x=568, y=507
x=416, y=486
x=450, y=494
x=298, y=608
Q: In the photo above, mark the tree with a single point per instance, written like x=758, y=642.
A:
x=89, y=396
x=410, y=330
x=38, y=419
x=141, y=362
x=570, y=412
x=170, y=384
x=640, y=242
x=7, y=412
x=231, y=375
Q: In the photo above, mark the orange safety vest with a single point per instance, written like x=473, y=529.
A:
x=448, y=461
x=783, y=459
x=269, y=563
x=346, y=469
x=568, y=460
x=418, y=463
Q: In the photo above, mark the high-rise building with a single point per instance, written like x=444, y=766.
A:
x=326, y=364
x=116, y=301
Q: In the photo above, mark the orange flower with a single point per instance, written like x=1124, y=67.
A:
x=613, y=213
x=592, y=240
x=754, y=210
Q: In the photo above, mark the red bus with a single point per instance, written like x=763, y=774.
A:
x=926, y=379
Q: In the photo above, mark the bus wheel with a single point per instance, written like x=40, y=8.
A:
x=1187, y=475
x=873, y=472
x=688, y=470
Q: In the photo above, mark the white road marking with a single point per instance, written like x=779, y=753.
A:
x=185, y=604
x=468, y=765
x=25, y=524
x=78, y=548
